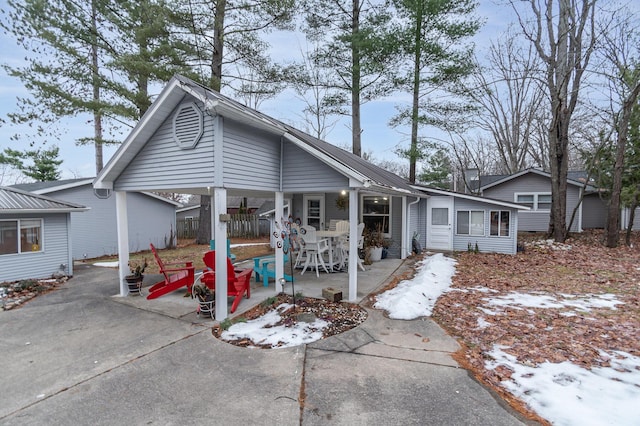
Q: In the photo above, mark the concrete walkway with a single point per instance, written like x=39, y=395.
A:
x=81, y=356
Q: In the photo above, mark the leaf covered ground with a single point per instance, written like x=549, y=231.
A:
x=564, y=277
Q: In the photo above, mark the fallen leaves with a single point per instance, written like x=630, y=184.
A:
x=580, y=268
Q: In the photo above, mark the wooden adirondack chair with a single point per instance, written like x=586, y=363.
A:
x=238, y=280
x=174, y=277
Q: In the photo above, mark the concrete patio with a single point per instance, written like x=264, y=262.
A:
x=176, y=305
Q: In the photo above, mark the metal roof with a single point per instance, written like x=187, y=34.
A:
x=14, y=200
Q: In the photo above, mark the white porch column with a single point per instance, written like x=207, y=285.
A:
x=353, y=245
x=279, y=218
x=122, y=225
x=219, y=228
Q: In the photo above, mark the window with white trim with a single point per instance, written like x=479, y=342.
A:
x=500, y=220
x=20, y=236
x=536, y=201
x=470, y=222
x=376, y=212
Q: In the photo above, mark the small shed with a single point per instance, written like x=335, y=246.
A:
x=152, y=218
x=35, y=235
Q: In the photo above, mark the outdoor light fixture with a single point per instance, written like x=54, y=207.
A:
x=343, y=192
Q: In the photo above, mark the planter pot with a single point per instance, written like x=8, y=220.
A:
x=206, y=306
x=134, y=283
x=375, y=254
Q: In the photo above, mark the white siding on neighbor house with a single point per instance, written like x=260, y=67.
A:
x=422, y=224
x=42, y=264
x=624, y=219
x=251, y=158
x=533, y=183
x=486, y=243
x=303, y=172
x=94, y=231
x=162, y=164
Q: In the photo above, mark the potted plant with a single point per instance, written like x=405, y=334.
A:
x=205, y=297
x=374, y=242
x=135, y=278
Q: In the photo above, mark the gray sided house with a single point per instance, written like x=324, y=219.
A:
x=152, y=218
x=35, y=235
x=532, y=188
x=193, y=140
x=448, y=220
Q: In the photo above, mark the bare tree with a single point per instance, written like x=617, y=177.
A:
x=621, y=49
x=510, y=97
x=563, y=34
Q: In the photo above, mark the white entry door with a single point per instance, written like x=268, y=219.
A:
x=314, y=210
x=440, y=223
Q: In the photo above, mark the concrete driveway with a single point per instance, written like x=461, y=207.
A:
x=81, y=356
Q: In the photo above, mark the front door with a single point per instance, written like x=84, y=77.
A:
x=440, y=223
x=314, y=210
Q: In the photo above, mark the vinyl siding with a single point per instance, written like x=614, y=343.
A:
x=485, y=243
x=94, y=232
x=594, y=212
x=251, y=158
x=55, y=251
x=532, y=183
x=162, y=164
x=422, y=224
x=304, y=173
x=396, y=227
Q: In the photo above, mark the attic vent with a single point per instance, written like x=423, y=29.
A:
x=102, y=193
x=187, y=126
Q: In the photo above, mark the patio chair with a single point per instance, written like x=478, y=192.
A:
x=212, y=246
x=238, y=280
x=343, y=247
x=314, y=249
x=174, y=277
x=265, y=266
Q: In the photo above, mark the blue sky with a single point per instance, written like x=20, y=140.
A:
x=377, y=137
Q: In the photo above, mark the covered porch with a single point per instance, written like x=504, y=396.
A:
x=175, y=305
x=195, y=141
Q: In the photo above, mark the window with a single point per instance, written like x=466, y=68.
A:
x=470, y=222
x=440, y=216
x=376, y=212
x=500, y=223
x=535, y=201
x=20, y=236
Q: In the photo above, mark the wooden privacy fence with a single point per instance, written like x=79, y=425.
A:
x=240, y=226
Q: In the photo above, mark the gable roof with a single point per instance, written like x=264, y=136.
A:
x=438, y=191
x=14, y=201
x=61, y=185
x=174, y=92
x=497, y=180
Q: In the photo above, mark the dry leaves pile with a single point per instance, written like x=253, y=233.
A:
x=341, y=316
x=580, y=267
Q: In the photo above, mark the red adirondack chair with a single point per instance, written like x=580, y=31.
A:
x=238, y=280
x=174, y=277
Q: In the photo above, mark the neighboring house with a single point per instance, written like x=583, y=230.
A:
x=193, y=140
x=532, y=188
x=35, y=235
x=455, y=221
x=152, y=218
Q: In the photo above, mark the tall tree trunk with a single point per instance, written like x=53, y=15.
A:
x=204, y=227
x=356, y=130
x=632, y=215
x=95, y=81
x=413, y=152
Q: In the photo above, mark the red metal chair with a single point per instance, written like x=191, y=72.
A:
x=238, y=280
x=174, y=278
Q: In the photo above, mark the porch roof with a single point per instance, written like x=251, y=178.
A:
x=352, y=166
x=14, y=201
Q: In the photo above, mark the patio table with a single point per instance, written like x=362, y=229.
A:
x=333, y=237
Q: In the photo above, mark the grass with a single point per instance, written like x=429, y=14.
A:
x=189, y=251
